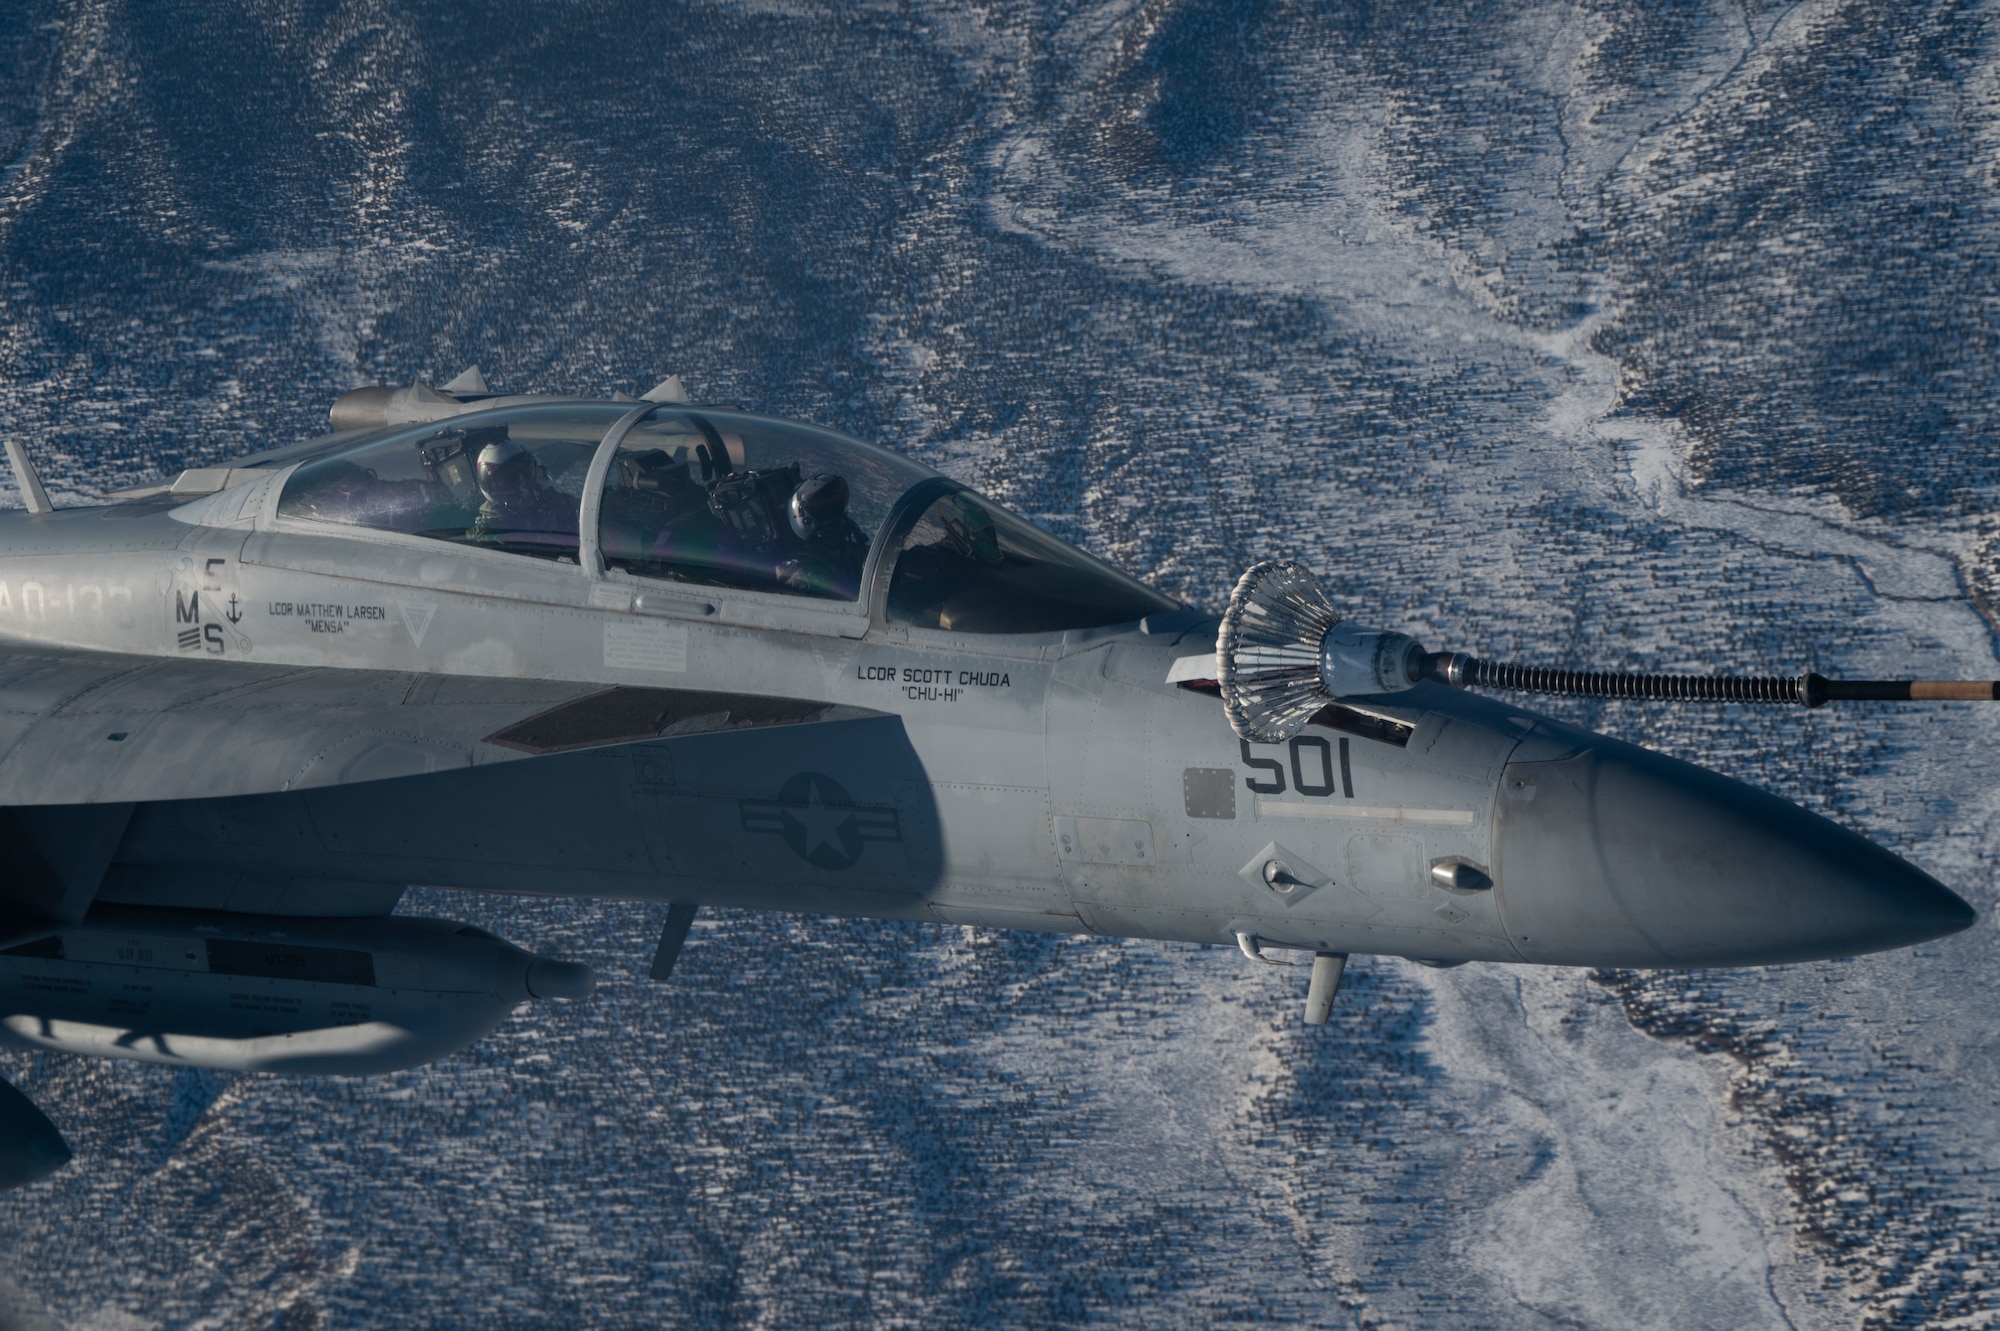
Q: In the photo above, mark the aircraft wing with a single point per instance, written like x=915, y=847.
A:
x=81, y=728
x=86, y=736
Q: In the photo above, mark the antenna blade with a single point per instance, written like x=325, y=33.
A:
x=680, y=918
x=670, y=389
x=469, y=381
x=419, y=391
x=32, y=493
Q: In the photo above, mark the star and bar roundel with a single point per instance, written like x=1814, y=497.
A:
x=820, y=821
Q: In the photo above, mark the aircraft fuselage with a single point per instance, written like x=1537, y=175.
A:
x=1043, y=781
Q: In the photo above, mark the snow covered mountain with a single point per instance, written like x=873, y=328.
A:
x=1645, y=336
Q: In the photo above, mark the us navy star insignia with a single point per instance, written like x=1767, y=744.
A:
x=820, y=821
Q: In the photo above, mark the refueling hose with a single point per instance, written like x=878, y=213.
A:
x=1808, y=690
x=1282, y=653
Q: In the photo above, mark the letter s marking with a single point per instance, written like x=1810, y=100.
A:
x=1276, y=786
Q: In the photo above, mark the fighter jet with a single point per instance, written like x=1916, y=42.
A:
x=660, y=650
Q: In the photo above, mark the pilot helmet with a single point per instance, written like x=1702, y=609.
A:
x=508, y=472
x=819, y=506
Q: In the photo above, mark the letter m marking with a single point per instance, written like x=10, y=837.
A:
x=187, y=607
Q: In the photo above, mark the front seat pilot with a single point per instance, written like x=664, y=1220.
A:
x=831, y=547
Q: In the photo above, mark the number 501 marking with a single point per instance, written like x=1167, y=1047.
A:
x=1312, y=768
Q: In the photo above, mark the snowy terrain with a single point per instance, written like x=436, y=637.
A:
x=1623, y=334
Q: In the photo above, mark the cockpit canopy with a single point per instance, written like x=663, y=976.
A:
x=424, y=481
x=718, y=498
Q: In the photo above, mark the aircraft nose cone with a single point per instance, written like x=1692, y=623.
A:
x=1619, y=856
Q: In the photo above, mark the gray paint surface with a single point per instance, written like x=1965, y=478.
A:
x=1196, y=286
x=292, y=717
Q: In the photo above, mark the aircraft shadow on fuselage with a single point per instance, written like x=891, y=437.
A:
x=832, y=815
